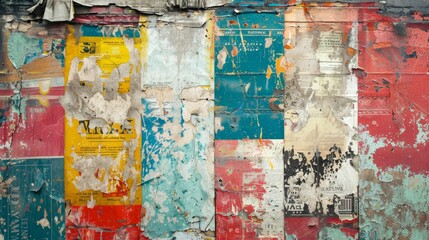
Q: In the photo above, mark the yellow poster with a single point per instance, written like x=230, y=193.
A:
x=102, y=146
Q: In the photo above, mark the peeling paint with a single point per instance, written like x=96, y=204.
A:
x=220, y=119
x=177, y=129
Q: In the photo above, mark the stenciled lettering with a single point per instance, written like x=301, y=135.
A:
x=109, y=129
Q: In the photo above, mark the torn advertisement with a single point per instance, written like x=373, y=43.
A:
x=249, y=189
x=249, y=75
x=321, y=185
x=31, y=118
x=320, y=157
x=102, y=147
x=32, y=202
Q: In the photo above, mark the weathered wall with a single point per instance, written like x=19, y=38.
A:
x=214, y=119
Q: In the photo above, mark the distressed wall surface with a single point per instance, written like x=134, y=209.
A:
x=214, y=119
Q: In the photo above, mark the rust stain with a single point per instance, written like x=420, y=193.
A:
x=382, y=45
x=234, y=51
x=232, y=22
x=255, y=25
x=288, y=46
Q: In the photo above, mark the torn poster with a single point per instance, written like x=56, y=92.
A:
x=249, y=189
x=63, y=10
x=249, y=76
x=320, y=157
x=32, y=198
x=102, y=148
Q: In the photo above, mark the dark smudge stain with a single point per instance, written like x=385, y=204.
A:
x=400, y=29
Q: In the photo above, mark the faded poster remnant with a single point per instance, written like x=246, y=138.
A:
x=320, y=156
x=102, y=156
x=32, y=200
x=181, y=57
x=177, y=130
x=249, y=68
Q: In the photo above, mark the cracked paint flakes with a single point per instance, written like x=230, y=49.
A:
x=102, y=154
x=32, y=120
x=392, y=91
x=393, y=201
x=394, y=180
x=177, y=131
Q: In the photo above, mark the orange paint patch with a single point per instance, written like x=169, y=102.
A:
x=232, y=22
x=330, y=4
x=382, y=45
x=288, y=46
x=351, y=51
x=272, y=100
x=269, y=72
x=345, y=36
x=281, y=65
x=234, y=51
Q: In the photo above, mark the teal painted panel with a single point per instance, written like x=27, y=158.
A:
x=109, y=31
x=32, y=201
x=249, y=88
